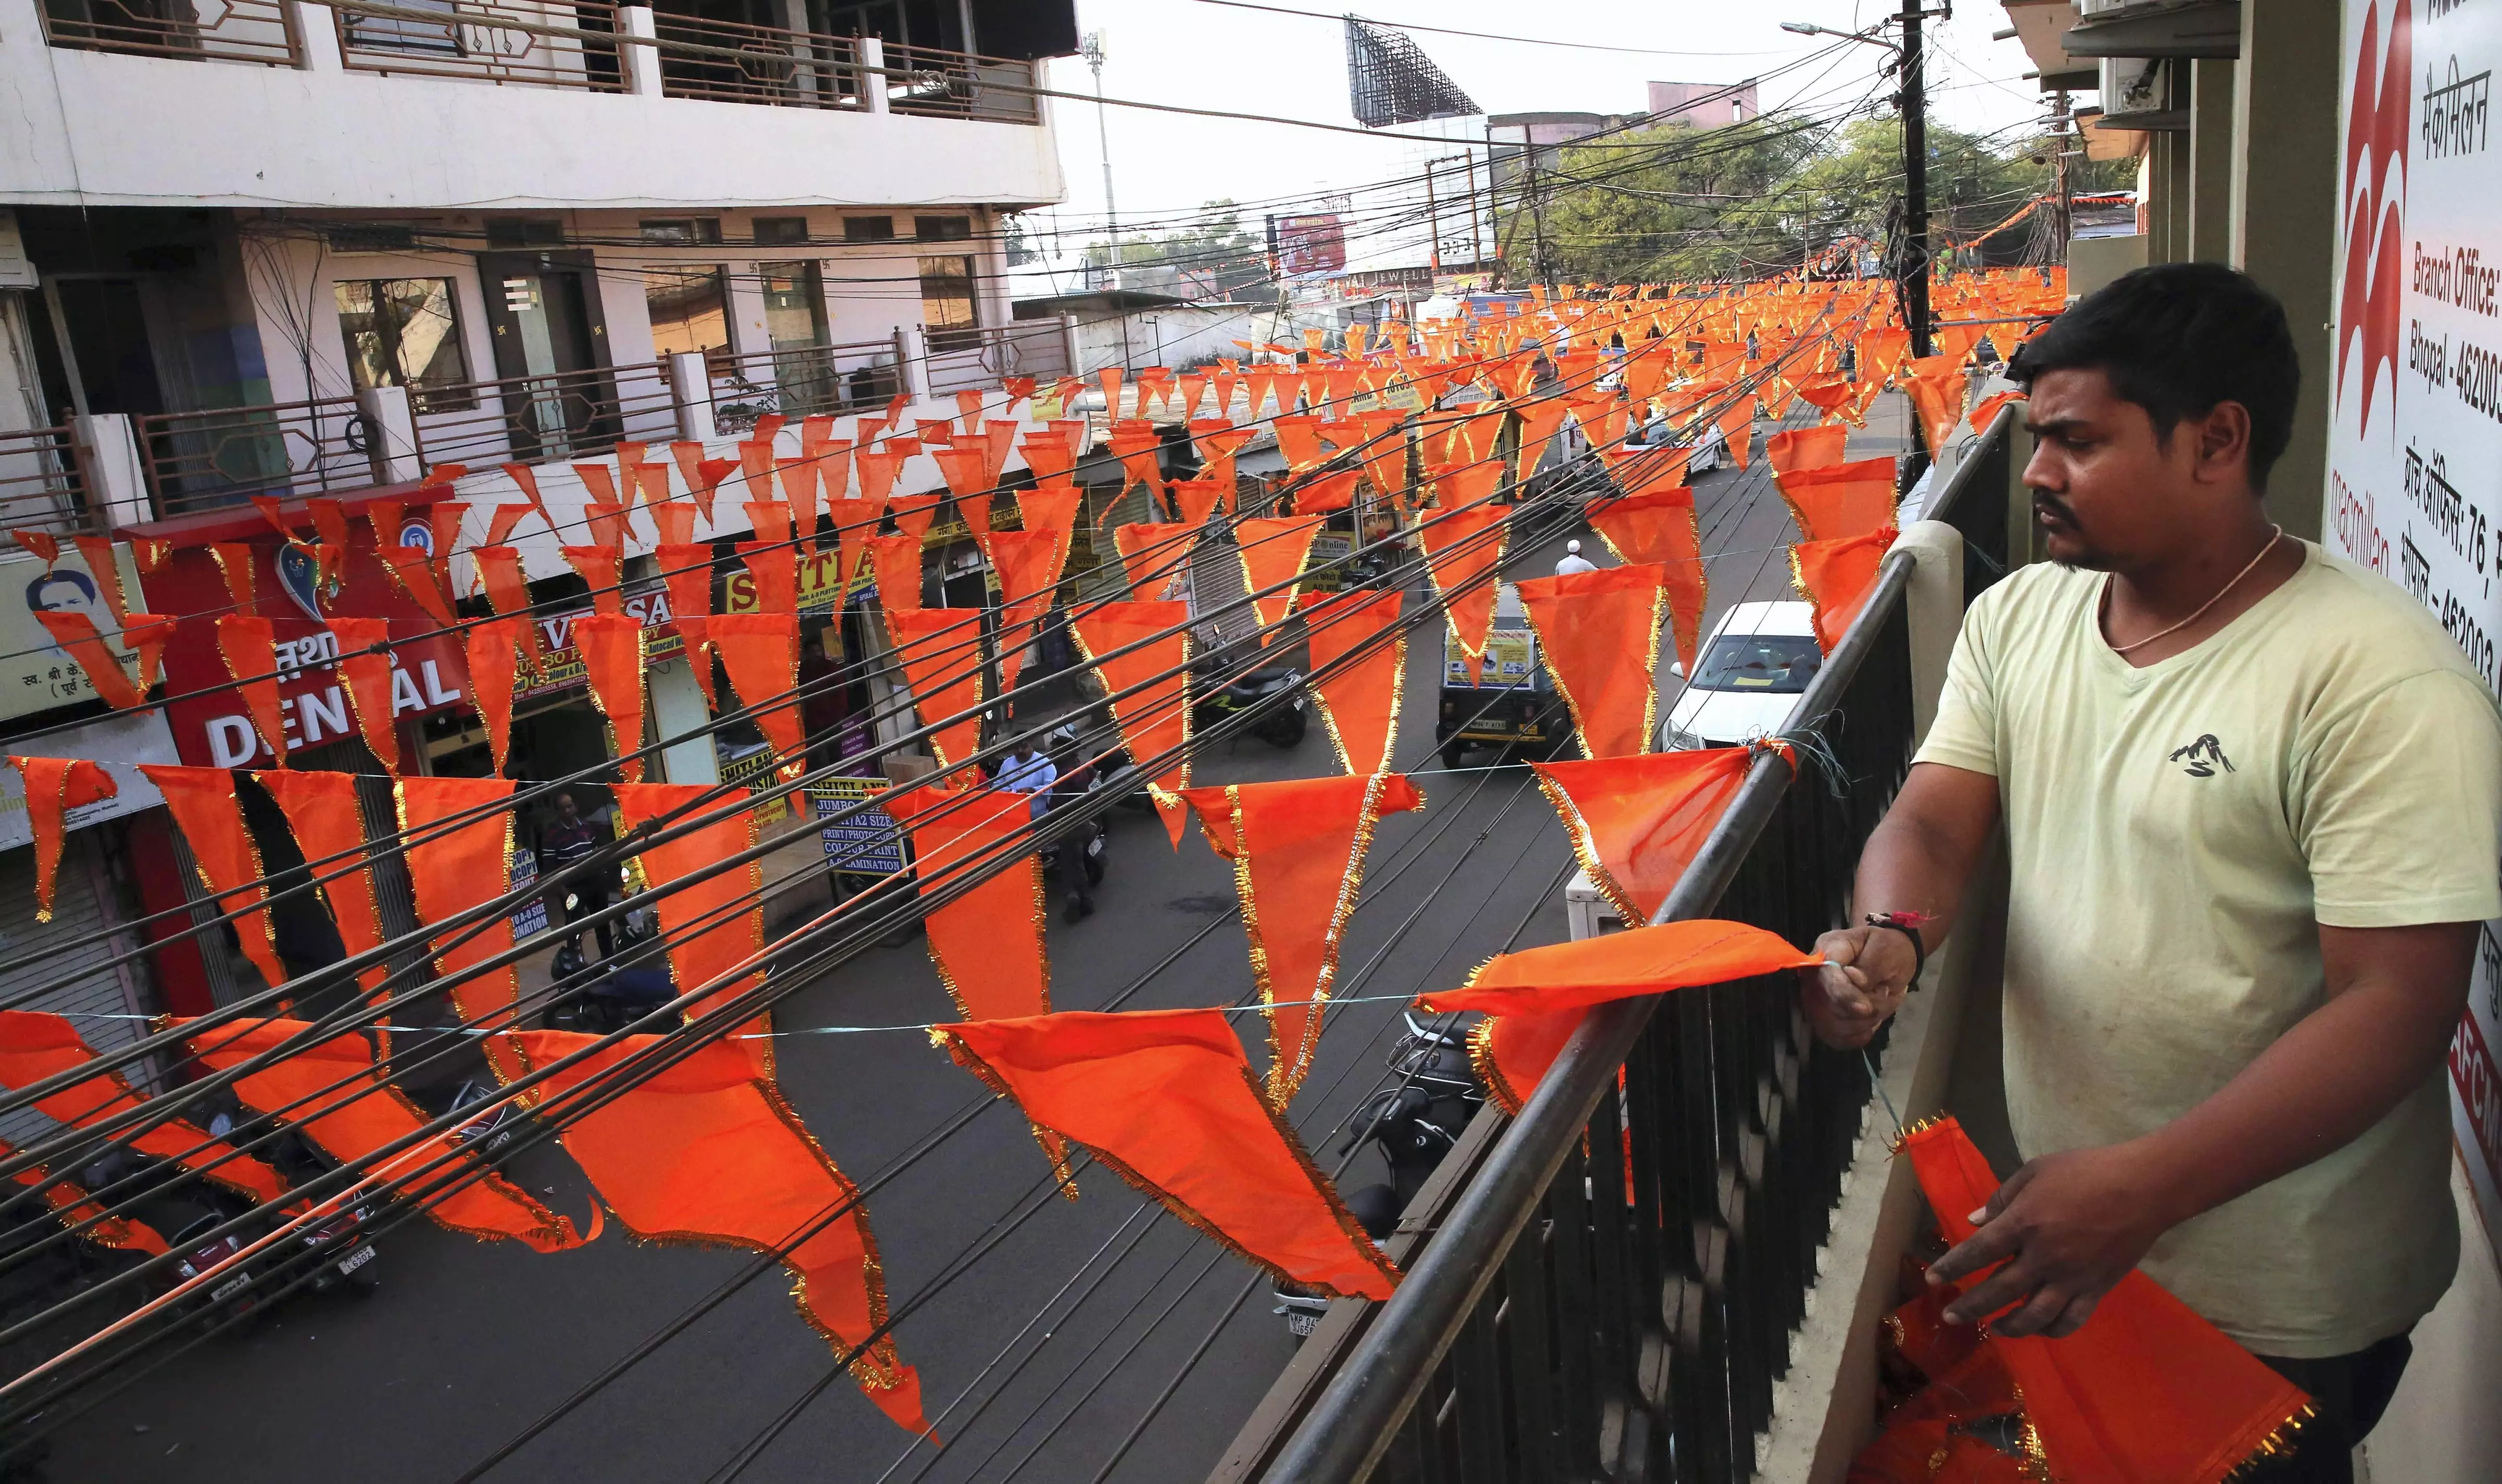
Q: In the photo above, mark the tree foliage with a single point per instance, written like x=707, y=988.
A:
x=1754, y=198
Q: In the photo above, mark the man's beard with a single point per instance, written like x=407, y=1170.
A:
x=2085, y=559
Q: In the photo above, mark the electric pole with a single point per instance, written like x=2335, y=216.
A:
x=1094, y=53
x=1914, y=268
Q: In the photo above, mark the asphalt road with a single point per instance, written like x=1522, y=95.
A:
x=1086, y=1323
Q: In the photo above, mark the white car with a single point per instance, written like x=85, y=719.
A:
x=1755, y=665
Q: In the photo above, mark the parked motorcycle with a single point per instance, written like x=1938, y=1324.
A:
x=1282, y=726
x=1087, y=841
x=601, y=997
x=334, y=1251
x=1415, y=1120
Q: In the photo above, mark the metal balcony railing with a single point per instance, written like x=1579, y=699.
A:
x=1605, y=1286
x=261, y=31
x=505, y=42
x=198, y=461
x=788, y=68
x=42, y=483
x=961, y=359
x=544, y=419
x=956, y=85
x=802, y=382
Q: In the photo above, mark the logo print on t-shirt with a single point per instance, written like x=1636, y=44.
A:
x=2200, y=759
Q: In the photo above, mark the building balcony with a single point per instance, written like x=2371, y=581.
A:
x=382, y=106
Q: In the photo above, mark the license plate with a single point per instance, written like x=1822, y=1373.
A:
x=1300, y=1323
x=232, y=1285
x=356, y=1259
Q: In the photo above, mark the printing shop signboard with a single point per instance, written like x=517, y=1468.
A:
x=213, y=729
x=2414, y=378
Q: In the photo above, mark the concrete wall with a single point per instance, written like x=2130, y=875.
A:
x=99, y=129
x=2443, y=1427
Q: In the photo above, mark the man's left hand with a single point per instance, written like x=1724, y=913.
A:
x=2067, y=1226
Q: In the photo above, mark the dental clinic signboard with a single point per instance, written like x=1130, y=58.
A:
x=213, y=729
x=2414, y=378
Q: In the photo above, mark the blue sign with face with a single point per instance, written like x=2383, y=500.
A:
x=300, y=577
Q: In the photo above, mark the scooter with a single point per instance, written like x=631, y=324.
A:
x=1416, y=1121
x=1086, y=841
x=1282, y=726
x=604, y=997
x=334, y=1251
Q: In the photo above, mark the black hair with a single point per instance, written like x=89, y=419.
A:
x=2178, y=339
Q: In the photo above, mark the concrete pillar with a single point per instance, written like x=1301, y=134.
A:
x=2285, y=216
x=912, y=360
x=2211, y=160
x=806, y=68
x=316, y=37
x=690, y=389
x=1933, y=609
x=642, y=63
x=1068, y=351
x=117, y=478
x=872, y=60
x=391, y=435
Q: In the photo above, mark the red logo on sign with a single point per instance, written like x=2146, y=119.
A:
x=2376, y=161
x=2479, y=1089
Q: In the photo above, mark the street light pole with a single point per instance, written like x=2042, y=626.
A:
x=1093, y=50
x=1914, y=287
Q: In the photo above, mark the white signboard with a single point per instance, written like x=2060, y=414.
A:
x=118, y=742
x=38, y=674
x=2415, y=452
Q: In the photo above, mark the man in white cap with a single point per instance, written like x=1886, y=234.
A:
x=1574, y=562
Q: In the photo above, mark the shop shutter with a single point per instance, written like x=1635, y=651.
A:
x=94, y=998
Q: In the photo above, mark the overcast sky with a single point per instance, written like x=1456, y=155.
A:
x=1206, y=55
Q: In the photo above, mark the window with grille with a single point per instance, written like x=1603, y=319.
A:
x=406, y=332
x=947, y=303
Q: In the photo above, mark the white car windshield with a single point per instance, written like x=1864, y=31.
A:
x=1773, y=665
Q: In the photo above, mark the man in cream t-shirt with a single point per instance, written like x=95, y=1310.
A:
x=2252, y=797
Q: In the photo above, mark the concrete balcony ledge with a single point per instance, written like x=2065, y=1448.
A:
x=102, y=128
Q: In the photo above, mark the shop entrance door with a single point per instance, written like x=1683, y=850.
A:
x=550, y=352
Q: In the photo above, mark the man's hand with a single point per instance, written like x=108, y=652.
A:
x=2067, y=1226
x=1865, y=974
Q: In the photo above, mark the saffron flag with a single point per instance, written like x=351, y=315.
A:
x=459, y=846
x=366, y=675
x=1155, y=722
x=1273, y=550
x=714, y=926
x=1054, y=508
x=77, y=1211
x=895, y=562
x=494, y=647
x=761, y=651
x=986, y=943
x=249, y=647
x=1534, y=1000
x=1637, y=823
x=1154, y=556
x=1598, y=632
x=1836, y=577
x=611, y=645
x=2148, y=1391
x=1169, y=1101
x=54, y=786
x=1658, y=526
x=1806, y=448
x=1462, y=549
x=203, y=803
x=706, y=1149
x=332, y=1092
x=1938, y=387
x=940, y=650
x=329, y=828
x=76, y=632
x=1840, y=500
x=35, y=1046
x=596, y=566
x=1028, y=563
x=1298, y=848
x=1359, y=649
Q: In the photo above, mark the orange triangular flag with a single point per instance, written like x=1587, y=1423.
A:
x=761, y=651
x=611, y=646
x=329, y=828
x=1028, y=563
x=203, y=802
x=248, y=645
x=1462, y=549
x=1597, y=633
x=941, y=655
x=458, y=836
x=76, y=633
x=1167, y=1100
x=1659, y=527
x=1637, y=823
x=1937, y=387
x=1359, y=667
x=1155, y=557
x=1806, y=448
x=1836, y=577
x=715, y=925
x=1535, y=999
x=1298, y=849
x=1273, y=549
x=1053, y=508
x=895, y=561
x=366, y=675
x=494, y=647
x=53, y=787
x=1155, y=721
x=1838, y=500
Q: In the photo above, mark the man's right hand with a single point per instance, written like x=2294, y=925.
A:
x=1865, y=974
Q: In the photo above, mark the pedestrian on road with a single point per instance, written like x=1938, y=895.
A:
x=1028, y=772
x=2252, y=797
x=1574, y=562
x=571, y=838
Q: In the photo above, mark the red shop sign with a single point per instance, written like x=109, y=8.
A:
x=429, y=675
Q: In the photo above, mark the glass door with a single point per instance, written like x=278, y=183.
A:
x=794, y=323
x=548, y=339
